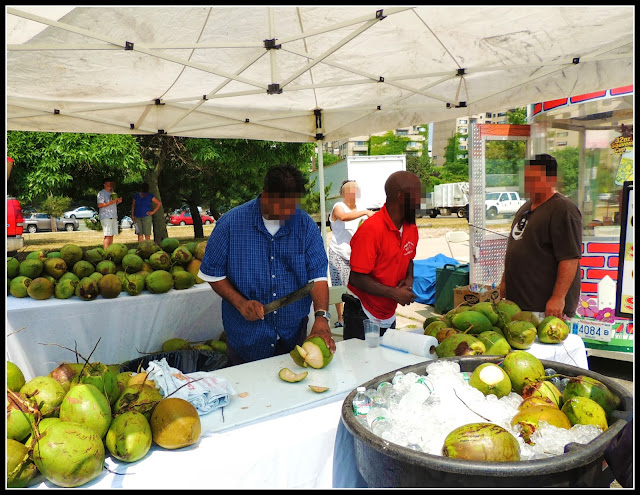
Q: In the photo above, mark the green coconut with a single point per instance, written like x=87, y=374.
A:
x=315, y=352
x=584, y=411
x=15, y=377
x=183, y=280
x=64, y=289
x=585, y=386
x=146, y=249
x=132, y=263
x=489, y=378
x=552, y=330
x=71, y=253
x=529, y=419
x=472, y=322
x=485, y=442
x=55, y=267
x=115, y=252
x=434, y=327
x=494, y=343
x=86, y=405
x=19, y=286
x=181, y=255
x=544, y=389
x=159, y=282
x=200, y=249
x=139, y=397
x=522, y=368
x=526, y=316
x=13, y=267
x=20, y=468
x=460, y=344
x=87, y=289
x=129, y=437
x=83, y=269
x=134, y=284
x=169, y=244
x=520, y=334
x=94, y=256
x=31, y=268
x=106, y=267
x=160, y=261
x=109, y=286
x=69, y=454
x=19, y=416
x=46, y=392
x=175, y=344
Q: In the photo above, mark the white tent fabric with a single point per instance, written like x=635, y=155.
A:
x=328, y=73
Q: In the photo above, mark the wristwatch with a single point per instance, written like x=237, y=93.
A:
x=324, y=313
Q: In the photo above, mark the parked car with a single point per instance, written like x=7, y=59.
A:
x=36, y=222
x=185, y=218
x=81, y=212
x=15, y=221
x=126, y=222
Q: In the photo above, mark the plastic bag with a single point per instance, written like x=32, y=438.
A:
x=187, y=361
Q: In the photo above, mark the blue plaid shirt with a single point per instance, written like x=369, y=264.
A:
x=264, y=268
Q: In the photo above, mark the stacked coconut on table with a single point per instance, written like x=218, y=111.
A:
x=87, y=274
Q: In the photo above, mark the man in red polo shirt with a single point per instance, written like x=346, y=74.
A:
x=382, y=252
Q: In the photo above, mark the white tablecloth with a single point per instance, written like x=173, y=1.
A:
x=280, y=435
x=126, y=324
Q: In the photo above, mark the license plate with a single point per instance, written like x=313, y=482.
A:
x=594, y=330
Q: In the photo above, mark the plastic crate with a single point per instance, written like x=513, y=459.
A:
x=448, y=278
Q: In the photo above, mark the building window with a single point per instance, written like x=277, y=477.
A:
x=562, y=143
x=462, y=130
x=402, y=132
x=463, y=121
x=488, y=115
x=360, y=143
x=563, y=134
x=413, y=144
x=487, y=122
x=501, y=114
x=462, y=147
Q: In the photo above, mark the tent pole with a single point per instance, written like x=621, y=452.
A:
x=323, y=212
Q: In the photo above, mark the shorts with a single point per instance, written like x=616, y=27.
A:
x=143, y=225
x=339, y=268
x=109, y=226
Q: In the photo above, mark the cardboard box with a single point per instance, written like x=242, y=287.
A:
x=467, y=296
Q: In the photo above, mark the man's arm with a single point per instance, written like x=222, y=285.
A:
x=251, y=310
x=566, y=273
x=408, y=278
x=402, y=295
x=320, y=296
x=133, y=210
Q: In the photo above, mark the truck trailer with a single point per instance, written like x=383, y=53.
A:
x=370, y=172
x=447, y=199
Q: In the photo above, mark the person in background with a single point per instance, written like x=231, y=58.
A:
x=259, y=252
x=141, y=211
x=108, y=211
x=345, y=218
x=382, y=252
x=541, y=266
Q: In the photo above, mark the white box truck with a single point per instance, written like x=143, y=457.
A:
x=447, y=199
x=370, y=172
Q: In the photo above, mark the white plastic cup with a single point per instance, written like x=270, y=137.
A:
x=372, y=333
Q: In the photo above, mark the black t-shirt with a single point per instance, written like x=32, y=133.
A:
x=538, y=241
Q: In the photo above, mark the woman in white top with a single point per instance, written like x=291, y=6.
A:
x=345, y=218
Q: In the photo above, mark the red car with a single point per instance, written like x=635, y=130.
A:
x=184, y=218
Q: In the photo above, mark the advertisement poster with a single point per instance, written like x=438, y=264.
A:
x=625, y=288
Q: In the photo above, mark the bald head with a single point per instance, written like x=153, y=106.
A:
x=403, y=196
x=401, y=181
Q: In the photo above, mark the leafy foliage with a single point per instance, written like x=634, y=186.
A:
x=56, y=205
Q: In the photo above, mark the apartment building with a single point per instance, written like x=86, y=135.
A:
x=358, y=145
x=442, y=132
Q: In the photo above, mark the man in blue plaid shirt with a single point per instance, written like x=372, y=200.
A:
x=259, y=252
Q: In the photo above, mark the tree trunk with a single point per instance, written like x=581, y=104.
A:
x=151, y=177
x=193, y=201
x=54, y=226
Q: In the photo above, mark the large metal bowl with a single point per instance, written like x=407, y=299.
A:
x=384, y=464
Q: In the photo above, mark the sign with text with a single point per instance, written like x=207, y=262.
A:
x=592, y=329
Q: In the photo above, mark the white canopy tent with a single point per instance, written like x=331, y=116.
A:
x=304, y=74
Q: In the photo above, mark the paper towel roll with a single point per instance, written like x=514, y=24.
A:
x=420, y=345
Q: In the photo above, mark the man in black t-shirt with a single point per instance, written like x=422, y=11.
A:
x=541, y=268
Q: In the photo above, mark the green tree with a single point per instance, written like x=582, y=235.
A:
x=55, y=206
x=517, y=116
x=455, y=169
x=388, y=144
x=329, y=158
x=568, y=166
x=69, y=164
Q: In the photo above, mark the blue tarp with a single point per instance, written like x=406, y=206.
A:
x=424, y=277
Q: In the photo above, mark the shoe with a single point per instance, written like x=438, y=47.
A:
x=339, y=324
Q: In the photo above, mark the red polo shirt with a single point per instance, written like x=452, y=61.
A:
x=379, y=250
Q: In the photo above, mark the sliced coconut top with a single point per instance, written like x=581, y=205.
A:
x=289, y=376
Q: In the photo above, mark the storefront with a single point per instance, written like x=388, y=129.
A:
x=591, y=137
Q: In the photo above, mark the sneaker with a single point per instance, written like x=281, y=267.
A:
x=339, y=324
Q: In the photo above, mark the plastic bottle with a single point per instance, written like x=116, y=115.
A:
x=382, y=427
x=361, y=405
x=398, y=378
x=378, y=408
x=427, y=382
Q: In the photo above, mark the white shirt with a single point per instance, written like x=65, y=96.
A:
x=343, y=231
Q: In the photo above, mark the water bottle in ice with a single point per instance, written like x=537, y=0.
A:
x=427, y=382
x=378, y=408
x=384, y=387
x=361, y=404
x=371, y=392
x=398, y=378
x=382, y=427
